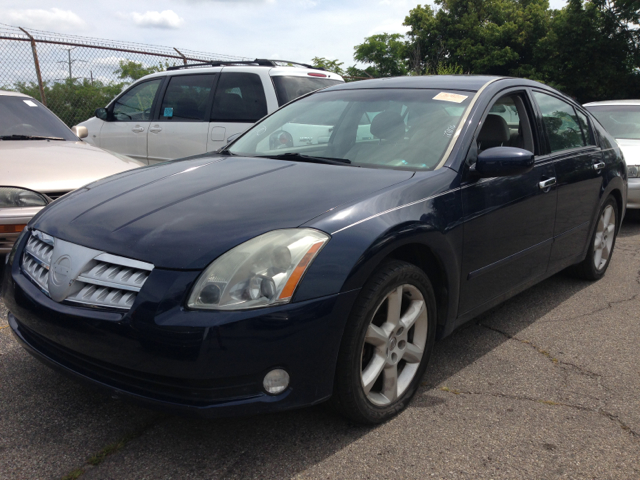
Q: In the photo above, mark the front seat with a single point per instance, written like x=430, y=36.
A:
x=495, y=133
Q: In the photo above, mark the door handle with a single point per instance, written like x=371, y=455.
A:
x=545, y=185
x=137, y=129
x=599, y=166
x=155, y=129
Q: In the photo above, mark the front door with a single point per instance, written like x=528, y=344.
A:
x=508, y=221
x=129, y=118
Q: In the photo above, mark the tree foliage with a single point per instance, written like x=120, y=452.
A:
x=590, y=48
x=129, y=70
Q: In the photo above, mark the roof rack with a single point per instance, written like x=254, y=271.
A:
x=261, y=62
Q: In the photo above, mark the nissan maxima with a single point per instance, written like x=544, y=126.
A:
x=321, y=254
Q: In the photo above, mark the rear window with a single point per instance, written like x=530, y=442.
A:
x=621, y=121
x=290, y=88
x=27, y=116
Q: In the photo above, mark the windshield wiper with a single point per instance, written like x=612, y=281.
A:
x=29, y=137
x=310, y=158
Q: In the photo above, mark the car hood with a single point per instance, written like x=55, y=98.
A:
x=630, y=149
x=57, y=166
x=183, y=214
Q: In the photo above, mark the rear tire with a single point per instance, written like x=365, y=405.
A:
x=602, y=242
x=386, y=345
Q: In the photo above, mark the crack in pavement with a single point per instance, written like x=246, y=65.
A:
x=97, y=458
x=600, y=411
x=593, y=312
x=526, y=342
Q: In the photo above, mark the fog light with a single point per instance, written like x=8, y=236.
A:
x=276, y=381
x=632, y=171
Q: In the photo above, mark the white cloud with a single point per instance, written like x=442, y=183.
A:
x=307, y=3
x=52, y=19
x=164, y=19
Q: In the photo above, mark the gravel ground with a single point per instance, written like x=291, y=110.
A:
x=543, y=386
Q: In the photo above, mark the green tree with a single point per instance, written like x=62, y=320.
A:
x=134, y=70
x=385, y=53
x=329, y=65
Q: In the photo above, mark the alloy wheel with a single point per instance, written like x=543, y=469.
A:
x=605, y=234
x=394, y=345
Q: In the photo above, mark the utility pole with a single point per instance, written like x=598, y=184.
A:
x=70, y=62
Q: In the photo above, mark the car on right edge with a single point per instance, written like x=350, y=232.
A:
x=621, y=118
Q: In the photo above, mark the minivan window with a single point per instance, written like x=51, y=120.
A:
x=26, y=116
x=239, y=98
x=560, y=122
x=187, y=98
x=135, y=104
x=290, y=88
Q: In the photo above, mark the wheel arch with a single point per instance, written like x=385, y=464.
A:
x=432, y=253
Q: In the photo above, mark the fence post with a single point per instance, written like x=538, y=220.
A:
x=37, y=63
x=184, y=59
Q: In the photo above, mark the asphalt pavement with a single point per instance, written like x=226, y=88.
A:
x=543, y=386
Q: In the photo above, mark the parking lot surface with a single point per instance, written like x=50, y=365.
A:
x=543, y=386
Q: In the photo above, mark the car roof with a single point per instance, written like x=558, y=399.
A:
x=612, y=102
x=443, y=82
x=274, y=71
x=13, y=94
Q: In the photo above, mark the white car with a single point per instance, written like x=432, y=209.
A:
x=621, y=118
x=193, y=109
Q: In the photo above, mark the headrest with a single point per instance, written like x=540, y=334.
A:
x=388, y=125
x=494, y=133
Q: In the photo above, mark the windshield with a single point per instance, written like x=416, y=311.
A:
x=290, y=88
x=26, y=117
x=391, y=128
x=621, y=121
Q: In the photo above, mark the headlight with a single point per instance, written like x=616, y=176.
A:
x=12, y=197
x=632, y=171
x=262, y=271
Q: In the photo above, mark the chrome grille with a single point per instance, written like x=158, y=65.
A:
x=102, y=280
x=37, y=259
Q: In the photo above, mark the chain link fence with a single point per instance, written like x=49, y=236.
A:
x=74, y=75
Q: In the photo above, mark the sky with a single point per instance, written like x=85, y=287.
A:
x=296, y=30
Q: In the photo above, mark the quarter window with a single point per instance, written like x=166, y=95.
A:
x=135, y=104
x=239, y=98
x=186, y=98
x=560, y=122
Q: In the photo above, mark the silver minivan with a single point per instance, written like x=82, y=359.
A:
x=194, y=109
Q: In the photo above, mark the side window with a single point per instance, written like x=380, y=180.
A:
x=507, y=125
x=586, y=128
x=186, y=98
x=239, y=98
x=135, y=104
x=560, y=122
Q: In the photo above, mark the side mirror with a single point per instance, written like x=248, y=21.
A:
x=81, y=132
x=504, y=162
x=102, y=114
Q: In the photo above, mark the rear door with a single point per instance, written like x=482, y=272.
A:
x=129, y=119
x=578, y=164
x=238, y=103
x=181, y=123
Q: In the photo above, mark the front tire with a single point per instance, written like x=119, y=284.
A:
x=594, y=266
x=386, y=345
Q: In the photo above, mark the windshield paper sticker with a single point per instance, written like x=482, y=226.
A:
x=450, y=97
x=168, y=112
x=30, y=103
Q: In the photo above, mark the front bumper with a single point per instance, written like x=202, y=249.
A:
x=160, y=354
x=633, y=193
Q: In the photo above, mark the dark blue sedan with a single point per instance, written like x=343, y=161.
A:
x=322, y=253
